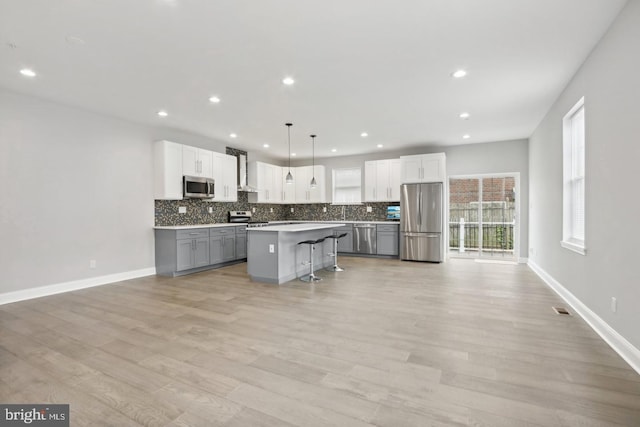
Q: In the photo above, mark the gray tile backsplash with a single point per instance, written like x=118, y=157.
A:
x=166, y=211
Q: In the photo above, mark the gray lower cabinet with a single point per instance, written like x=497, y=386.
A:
x=345, y=244
x=388, y=239
x=194, y=249
x=241, y=242
x=223, y=245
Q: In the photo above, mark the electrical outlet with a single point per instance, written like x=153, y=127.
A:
x=92, y=263
x=272, y=248
x=291, y=210
x=531, y=251
x=253, y=210
x=369, y=209
x=324, y=209
x=210, y=210
x=182, y=209
x=614, y=304
x=271, y=210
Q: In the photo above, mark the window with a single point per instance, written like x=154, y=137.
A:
x=347, y=186
x=573, y=196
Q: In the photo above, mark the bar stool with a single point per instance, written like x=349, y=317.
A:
x=335, y=238
x=312, y=247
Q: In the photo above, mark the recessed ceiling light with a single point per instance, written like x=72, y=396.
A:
x=380, y=145
x=75, y=40
x=465, y=115
x=458, y=74
x=265, y=145
x=333, y=150
x=214, y=99
x=466, y=136
x=293, y=154
x=364, y=134
x=233, y=135
x=163, y=113
x=288, y=81
x=28, y=72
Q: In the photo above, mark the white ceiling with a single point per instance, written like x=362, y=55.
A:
x=378, y=66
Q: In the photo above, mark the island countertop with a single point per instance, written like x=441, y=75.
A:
x=306, y=226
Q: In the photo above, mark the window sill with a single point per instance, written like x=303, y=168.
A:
x=574, y=247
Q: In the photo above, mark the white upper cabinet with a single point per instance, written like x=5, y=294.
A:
x=167, y=172
x=225, y=174
x=288, y=190
x=302, y=182
x=196, y=162
x=382, y=180
x=423, y=168
x=267, y=179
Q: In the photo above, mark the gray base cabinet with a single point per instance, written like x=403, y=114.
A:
x=190, y=250
x=388, y=239
x=345, y=244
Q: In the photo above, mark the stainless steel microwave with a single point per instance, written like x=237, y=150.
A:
x=197, y=187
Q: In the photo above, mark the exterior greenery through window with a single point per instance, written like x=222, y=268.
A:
x=573, y=212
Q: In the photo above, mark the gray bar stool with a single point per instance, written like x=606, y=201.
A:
x=335, y=238
x=312, y=247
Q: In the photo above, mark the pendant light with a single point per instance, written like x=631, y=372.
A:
x=313, y=164
x=289, y=179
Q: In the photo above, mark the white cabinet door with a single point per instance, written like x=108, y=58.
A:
x=370, y=181
x=302, y=181
x=394, y=180
x=318, y=194
x=167, y=171
x=288, y=190
x=230, y=178
x=423, y=168
x=190, y=165
x=224, y=170
x=197, y=162
x=262, y=177
x=411, y=169
x=382, y=180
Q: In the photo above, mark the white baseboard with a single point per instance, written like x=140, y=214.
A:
x=58, y=288
x=618, y=343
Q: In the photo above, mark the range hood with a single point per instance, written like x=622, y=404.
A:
x=242, y=175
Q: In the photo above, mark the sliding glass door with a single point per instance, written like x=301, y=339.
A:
x=483, y=213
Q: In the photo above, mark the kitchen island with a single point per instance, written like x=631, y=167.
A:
x=274, y=256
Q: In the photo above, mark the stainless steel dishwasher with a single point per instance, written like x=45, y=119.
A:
x=364, y=239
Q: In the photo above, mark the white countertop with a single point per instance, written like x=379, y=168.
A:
x=185, y=227
x=293, y=228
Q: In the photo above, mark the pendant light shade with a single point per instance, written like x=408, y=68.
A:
x=313, y=183
x=289, y=179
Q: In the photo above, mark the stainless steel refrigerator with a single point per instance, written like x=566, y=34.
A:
x=421, y=222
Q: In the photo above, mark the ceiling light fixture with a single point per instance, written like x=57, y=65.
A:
x=465, y=115
x=214, y=100
x=288, y=81
x=364, y=134
x=233, y=135
x=333, y=150
x=293, y=154
x=380, y=145
x=162, y=113
x=289, y=179
x=28, y=72
x=313, y=183
x=265, y=145
x=458, y=74
x=466, y=136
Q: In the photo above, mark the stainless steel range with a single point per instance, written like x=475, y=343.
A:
x=244, y=217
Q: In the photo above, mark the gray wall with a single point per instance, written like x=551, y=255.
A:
x=607, y=81
x=75, y=186
x=486, y=158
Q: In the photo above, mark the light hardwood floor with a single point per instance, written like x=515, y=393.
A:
x=385, y=343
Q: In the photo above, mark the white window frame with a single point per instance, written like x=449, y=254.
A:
x=573, y=177
x=355, y=188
